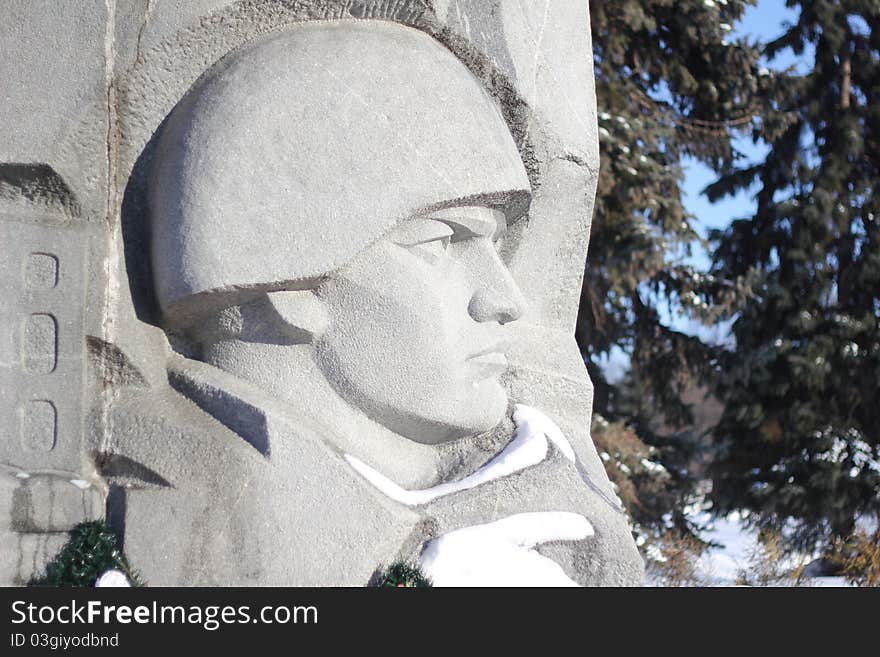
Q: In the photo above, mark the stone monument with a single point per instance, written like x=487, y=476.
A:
x=290, y=290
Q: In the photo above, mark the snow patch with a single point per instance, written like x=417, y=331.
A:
x=532, y=421
x=501, y=553
x=653, y=466
x=112, y=579
x=528, y=447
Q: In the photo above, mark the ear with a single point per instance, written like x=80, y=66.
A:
x=302, y=312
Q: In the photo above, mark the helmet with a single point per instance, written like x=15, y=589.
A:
x=297, y=151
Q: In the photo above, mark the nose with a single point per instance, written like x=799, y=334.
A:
x=497, y=297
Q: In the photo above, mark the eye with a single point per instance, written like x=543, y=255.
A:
x=434, y=250
x=427, y=238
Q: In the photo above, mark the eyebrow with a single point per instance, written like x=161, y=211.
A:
x=478, y=220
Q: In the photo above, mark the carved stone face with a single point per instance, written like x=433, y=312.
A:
x=416, y=337
x=314, y=160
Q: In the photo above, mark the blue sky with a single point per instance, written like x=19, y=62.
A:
x=764, y=21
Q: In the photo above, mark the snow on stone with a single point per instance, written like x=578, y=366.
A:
x=528, y=447
x=523, y=451
x=500, y=553
x=531, y=420
x=112, y=579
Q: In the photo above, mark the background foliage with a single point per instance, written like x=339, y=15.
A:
x=799, y=435
x=795, y=440
x=92, y=550
x=670, y=84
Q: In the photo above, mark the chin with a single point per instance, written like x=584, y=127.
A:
x=463, y=416
x=486, y=407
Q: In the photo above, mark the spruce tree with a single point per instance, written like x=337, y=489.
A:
x=800, y=433
x=671, y=82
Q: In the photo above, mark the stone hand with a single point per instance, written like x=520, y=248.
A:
x=502, y=553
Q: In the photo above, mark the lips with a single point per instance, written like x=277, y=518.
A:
x=488, y=365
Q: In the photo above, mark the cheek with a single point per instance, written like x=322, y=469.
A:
x=395, y=323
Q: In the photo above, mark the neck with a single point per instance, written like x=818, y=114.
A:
x=288, y=374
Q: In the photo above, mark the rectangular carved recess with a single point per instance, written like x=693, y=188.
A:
x=42, y=343
x=38, y=426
